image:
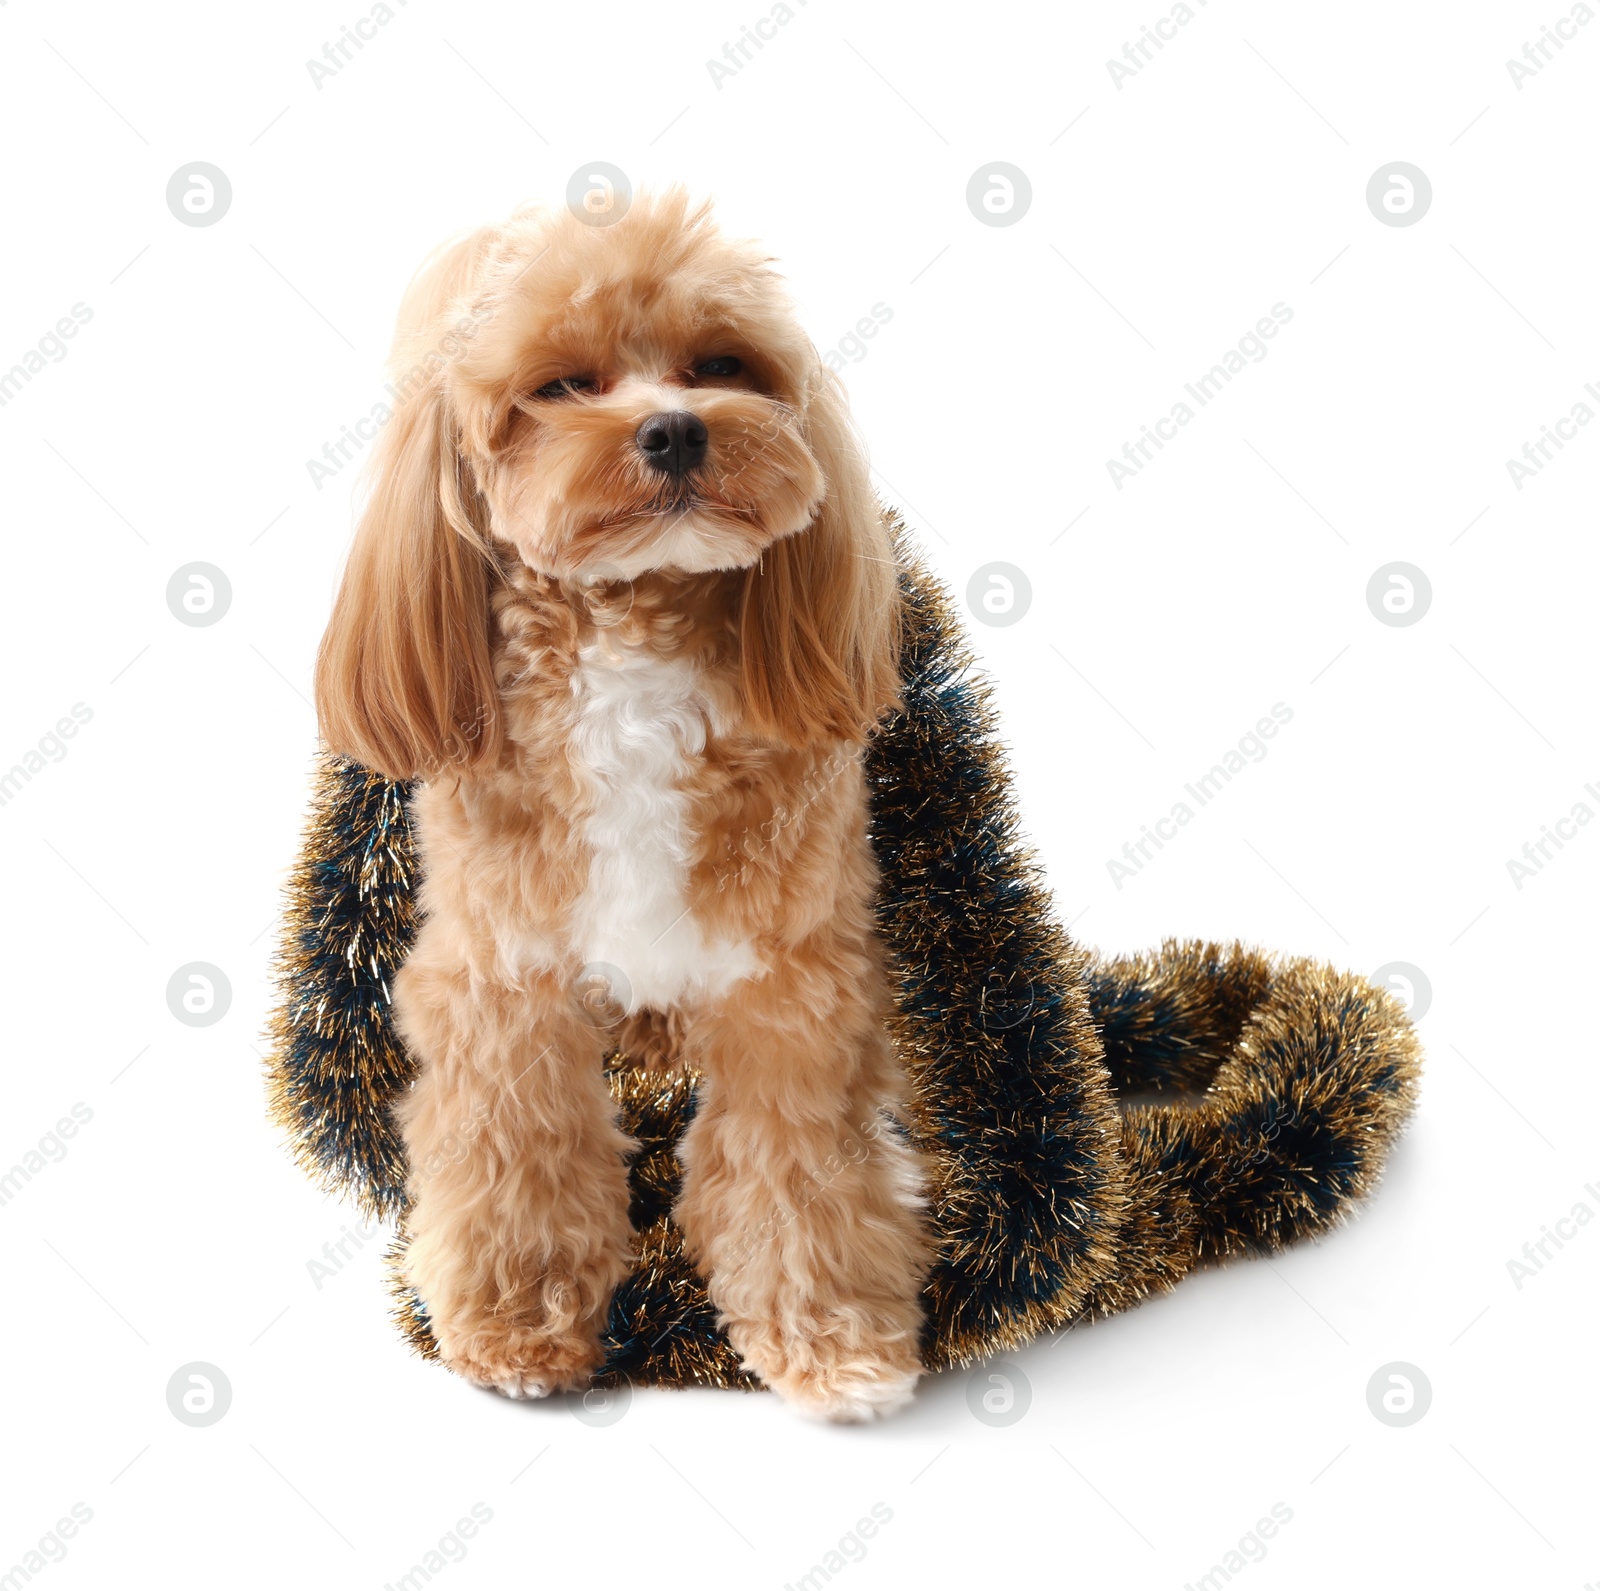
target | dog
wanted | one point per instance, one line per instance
(621, 599)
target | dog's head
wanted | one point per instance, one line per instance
(600, 403)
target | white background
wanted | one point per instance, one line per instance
(1168, 215)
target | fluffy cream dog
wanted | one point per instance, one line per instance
(621, 598)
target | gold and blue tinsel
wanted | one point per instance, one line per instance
(1055, 1196)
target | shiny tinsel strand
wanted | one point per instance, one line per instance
(1052, 1198)
(336, 1064)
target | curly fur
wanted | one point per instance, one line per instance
(638, 703)
(674, 843)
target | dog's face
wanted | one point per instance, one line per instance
(602, 403)
(634, 396)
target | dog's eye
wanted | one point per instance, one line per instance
(725, 365)
(566, 386)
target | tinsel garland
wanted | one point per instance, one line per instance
(1050, 1200)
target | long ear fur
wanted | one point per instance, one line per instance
(819, 619)
(405, 682)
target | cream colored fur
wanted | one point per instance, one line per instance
(637, 708)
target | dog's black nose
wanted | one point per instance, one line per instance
(673, 443)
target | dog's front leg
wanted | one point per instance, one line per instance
(801, 1201)
(519, 1221)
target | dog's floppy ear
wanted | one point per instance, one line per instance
(819, 620)
(405, 681)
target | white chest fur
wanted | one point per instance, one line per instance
(640, 722)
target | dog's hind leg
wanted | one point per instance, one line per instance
(519, 1200)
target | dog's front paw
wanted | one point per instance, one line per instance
(823, 1380)
(848, 1394)
(521, 1362)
